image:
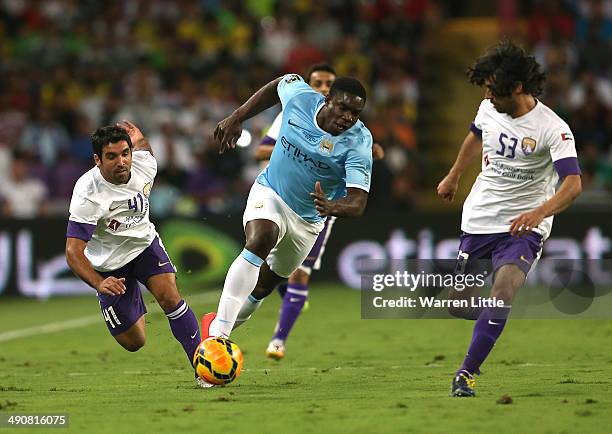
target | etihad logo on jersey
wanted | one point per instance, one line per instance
(528, 145)
(326, 146)
(298, 155)
(566, 136)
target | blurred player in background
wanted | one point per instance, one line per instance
(112, 245)
(295, 291)
(526, 149)
(19, 184)
(322, 147)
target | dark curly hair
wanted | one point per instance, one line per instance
(507, 65)
(109, 134)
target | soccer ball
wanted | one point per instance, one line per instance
(217, 360)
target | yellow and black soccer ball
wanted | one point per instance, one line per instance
(217, 360)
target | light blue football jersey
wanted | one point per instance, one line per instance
(305, 154)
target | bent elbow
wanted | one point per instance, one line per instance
(69, 256)
(362, 207)
(579, 187)
(360, 210)
(72, 256)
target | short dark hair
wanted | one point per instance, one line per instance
(350, 85)
(506, 65)
(108, 134)
(319, 67)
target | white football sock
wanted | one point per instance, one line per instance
(239, 283)
(251, 304)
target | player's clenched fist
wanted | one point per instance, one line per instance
(133, 131)
(228, 132)
(322, 205)
(112, 286)
(447, 188)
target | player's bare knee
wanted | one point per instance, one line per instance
(299, 277)
(132, 344)
(266, 240)
(504, 294)
(132, 347)
(168, 300)
(163, 287)
(508, 280)
(504, 291)
(261, 244)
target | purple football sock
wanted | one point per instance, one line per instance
(487, 330)
(185, 328)
(293, 302)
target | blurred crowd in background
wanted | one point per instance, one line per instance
(573, 42)
(176, 67)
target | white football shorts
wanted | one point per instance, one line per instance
(295, 236)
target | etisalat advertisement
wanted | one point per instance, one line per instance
(392, 264)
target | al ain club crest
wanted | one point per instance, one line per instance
(528, 145)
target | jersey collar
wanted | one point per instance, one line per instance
(314, 119)
(535, 109)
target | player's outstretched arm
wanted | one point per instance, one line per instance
(352, 205)
(139, 141)
(470, 149)
(570, 189)
(80, 265)
(229, 129)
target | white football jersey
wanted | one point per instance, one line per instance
(119, 212)
(518, 173)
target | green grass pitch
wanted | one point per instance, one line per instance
(341, 374)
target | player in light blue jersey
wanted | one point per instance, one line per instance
(295, 291)
(306, 152)
(323, 150)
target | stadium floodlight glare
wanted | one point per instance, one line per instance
(245, 139)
